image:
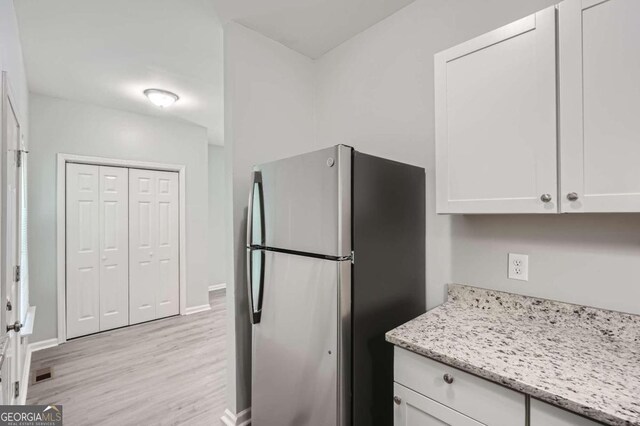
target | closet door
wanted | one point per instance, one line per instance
(114, 247)
(83, 251)
(167, 291)
(599, 105)
(153, 245)
(143, 267)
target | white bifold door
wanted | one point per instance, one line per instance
(97, 249)
(153, 241)
(122, 247)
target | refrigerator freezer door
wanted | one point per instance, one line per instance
(303, 203)
(295, 346)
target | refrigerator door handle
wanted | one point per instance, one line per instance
(255, 219)
(255, 283)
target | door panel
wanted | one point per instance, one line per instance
(306, 202)
(143, 266)
(154, 252)
(83, 249)
(114, 246)
(496, 120)
(167, 293)
(295, 345)
(600, 94)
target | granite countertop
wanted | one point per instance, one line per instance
(586, 360)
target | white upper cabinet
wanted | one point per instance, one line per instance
(599, 88)
(496, 134)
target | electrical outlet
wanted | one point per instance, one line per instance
(518, 267)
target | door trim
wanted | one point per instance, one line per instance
(61, 230)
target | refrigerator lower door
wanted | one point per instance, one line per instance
(296, 349)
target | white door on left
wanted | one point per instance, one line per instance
(83, 250)
(97, 248)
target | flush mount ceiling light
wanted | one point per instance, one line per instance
(161, 98)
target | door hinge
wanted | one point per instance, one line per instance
(17, 273)
(353, 257)
(19, 154)
(16, 389)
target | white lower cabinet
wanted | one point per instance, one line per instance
(543, 414)
(478, 399)
(413, 409)
(430, 393)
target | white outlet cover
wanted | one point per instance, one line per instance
(518, 267)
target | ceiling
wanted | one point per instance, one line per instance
(107, 52)
(311, 27)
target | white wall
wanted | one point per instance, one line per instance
(11, 59)
(268, 115)
(217, 224)
(375, 92)
(60, 126)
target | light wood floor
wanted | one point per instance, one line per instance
(165, 372)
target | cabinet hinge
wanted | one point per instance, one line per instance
(17, 273)
(16, 389)
(353, 257)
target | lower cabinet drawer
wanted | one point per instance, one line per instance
(413, 409)
(543, 414)
(476, 398)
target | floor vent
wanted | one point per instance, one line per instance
(42, 374)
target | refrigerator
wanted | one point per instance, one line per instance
(335, 258)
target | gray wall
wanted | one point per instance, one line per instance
(268, 115)
(60, 126)
(217, 222)
(375, 92)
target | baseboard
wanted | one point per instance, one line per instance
(43, 344)
(216, 287)
(197, 309)
(243, 418)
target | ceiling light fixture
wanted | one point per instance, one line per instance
(161, 98)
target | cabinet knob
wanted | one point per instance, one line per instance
(572, 196)
(448, 378)
(397, 400)
(545, 198)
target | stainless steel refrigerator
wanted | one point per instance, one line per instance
(335, 258)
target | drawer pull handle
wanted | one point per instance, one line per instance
(397, 400)
(448, 378)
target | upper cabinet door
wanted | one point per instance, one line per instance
(496, 120)
(600, 105)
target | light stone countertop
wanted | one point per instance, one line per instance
(584, 359)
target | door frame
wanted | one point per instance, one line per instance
(8, 104)
(61, 231)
